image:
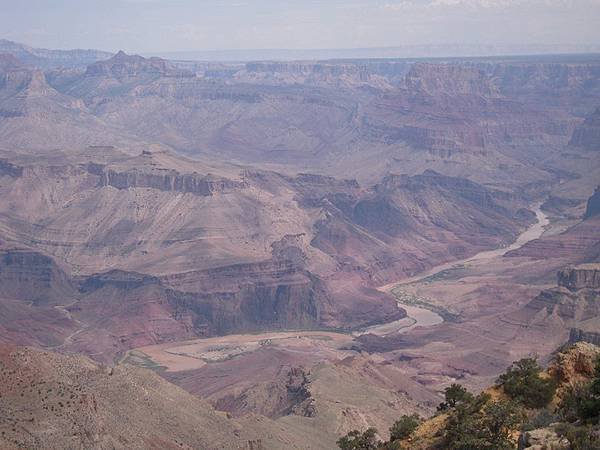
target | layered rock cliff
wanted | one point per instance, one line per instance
(449, 79)
(307, 68)
(570, 311)
(164, 180)
(593, 205)
(587, 135)
(373, 73)
(585, 276)
(33, 277)
(579, 335)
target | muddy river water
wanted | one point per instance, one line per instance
(423, 317)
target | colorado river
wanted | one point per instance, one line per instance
(424, 317)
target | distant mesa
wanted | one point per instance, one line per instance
(20, 82)
(450, 79)
(9, 62)
(49, 59)
(123, 66)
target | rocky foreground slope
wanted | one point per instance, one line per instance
(50, 401)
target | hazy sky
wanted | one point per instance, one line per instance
(172, 25)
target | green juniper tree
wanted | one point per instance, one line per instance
(481, 424)
(355, 440)
(455, 394)
(522, 382)
(404, 427)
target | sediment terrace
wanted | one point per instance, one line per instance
(194, 354)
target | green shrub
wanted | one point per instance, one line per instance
(355, 440)
(541, 419)
(581, 402)
(590, 411)
(455, 394)
(580, 437)
(522, 383)
(404, 427)
(481, 424)
(391, 445)
(573, 397)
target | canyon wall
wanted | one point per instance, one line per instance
(577, 335)
(165, 180)
(593, 205)
(587, 135)
(585, 276)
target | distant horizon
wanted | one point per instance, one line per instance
(415, 51)
(389, 52)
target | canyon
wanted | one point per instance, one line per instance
(296, 249)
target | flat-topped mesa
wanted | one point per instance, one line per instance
(593, 205)
(451, 79)
(165, 180)
(123, 65)
(354, 71)
(584, 276)
(546, 78)
(299, 68)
